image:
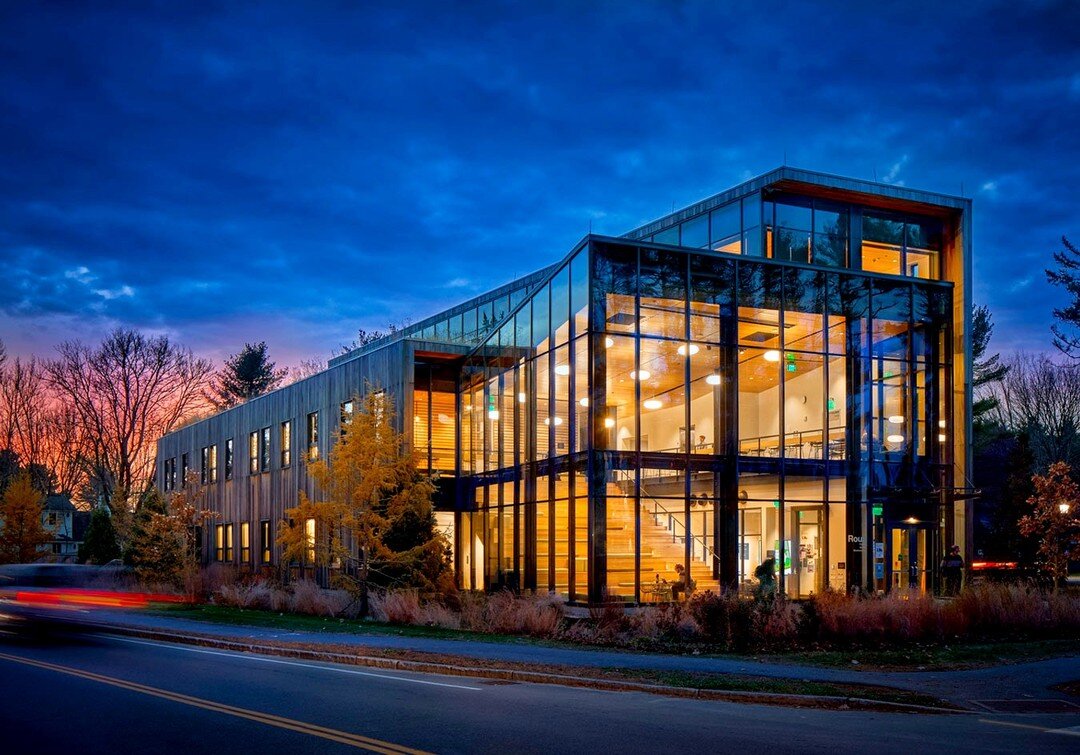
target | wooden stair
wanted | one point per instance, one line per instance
(660, 552)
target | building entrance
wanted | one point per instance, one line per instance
(910, 557)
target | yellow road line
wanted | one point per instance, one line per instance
(334, 735)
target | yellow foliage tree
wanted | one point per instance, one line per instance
(21, 531)
(375, 510)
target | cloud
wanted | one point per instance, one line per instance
(80, 274)
(894, 171)
(115, 293)
(364, 166)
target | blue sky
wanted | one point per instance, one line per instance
(225, 173)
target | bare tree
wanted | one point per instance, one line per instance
(126, 393)
(1042, 398)
(306, 369)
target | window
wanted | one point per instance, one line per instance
(900, 246)
(313, 436)
(228, 459)
(228, 542)
(253, 453)
(204, 465)
(264, 540)
(219, 542)
(309, 535)
(51, 518)
(185, 465)
(265, 455)
(286, 443)
(213, 463)
(346, 416)
(169, 482)
(245, 542)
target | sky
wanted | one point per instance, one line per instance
(228, 173)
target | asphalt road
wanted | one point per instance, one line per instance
(106, 695)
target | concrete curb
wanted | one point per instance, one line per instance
(516, 675)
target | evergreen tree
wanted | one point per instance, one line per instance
(22, 534)
(245, 376)
(1067, 276)
(987, 371)
(100, 545)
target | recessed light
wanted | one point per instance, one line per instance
(562, 369)
(609, 422)
(652, 403)
(895, 439)
(640, 375)
(691, 348)
(712, 379)
(521, 398)
(493, 414)
(584, 401)
(896, 419)
(609, 342)
(772, 355)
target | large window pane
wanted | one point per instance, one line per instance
(759, 402)
(695, 232)
(621, 536)
(663, 395)
(663, 293)
(712, 297)
(560, 307)
(618, 416)
(614, 289)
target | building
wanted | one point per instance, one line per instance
(60, 519)
(779, 371)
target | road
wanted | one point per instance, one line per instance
(100, 694)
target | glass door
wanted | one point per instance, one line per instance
(910, 562)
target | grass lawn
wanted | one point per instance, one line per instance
(905, 658)
(936, 657)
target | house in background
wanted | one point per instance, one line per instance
(61, 519)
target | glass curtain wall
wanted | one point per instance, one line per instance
(690, 420)
(522, 410)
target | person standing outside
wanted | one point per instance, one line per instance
(952, 571)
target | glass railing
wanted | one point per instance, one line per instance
(799, 444)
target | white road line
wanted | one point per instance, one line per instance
(1072, 731)
(263, 659)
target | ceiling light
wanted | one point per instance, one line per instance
(911, 520)
(562, 369)
(640, 375)
(712, 379)
(609, 422)
(557, 421)
(584, 401)
(941, 437)
(609, 342)
(772, 355)
(896, 419)
(652, 403)
(895, 439)
(521, 398)
(493, 414)
(691, 348)
(941, 424)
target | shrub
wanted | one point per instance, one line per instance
(398, 607)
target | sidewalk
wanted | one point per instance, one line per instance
(1023, 681)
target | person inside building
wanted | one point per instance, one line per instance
(952, 571)
(682, 584)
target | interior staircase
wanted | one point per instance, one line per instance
(663, 545)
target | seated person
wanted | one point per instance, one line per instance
(681, 583)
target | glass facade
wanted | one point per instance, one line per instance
(775, 378)
(650, 408)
